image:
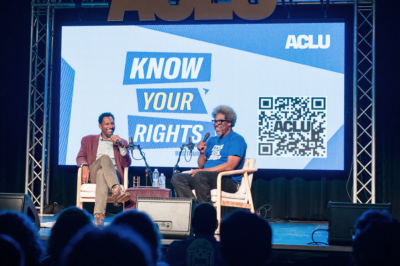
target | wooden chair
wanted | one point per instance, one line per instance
(87, 192)
(242, 198)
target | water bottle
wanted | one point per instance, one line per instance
(155, 178)
(162, 180)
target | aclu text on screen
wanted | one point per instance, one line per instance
(307, 42)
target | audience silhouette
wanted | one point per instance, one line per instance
(203, 248)
(245, 239)
(68, 223)
(114, 245)
(11, 253)
(143, 225)
(377, 239)
(133, 239)
(21, 228)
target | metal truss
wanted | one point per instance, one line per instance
(40, 87)
(364, 102)
(37, 170)
(39, 106)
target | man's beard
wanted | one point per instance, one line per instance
(219, 133)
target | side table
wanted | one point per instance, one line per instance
(145, 192)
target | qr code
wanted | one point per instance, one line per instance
(292, 127)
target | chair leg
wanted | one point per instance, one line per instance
(79, 202)
(248, 191)
(218, 216)
(219, 196)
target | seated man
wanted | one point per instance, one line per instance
(202, 246)
(224, 152)
(101, 158)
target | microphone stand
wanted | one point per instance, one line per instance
(175, 170)
(148, 170)
(190, 145)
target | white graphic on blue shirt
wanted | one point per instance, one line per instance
(216, 152)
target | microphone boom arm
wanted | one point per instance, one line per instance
(148, 170)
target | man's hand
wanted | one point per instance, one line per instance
(195, 171)
(202, 147)
(85, 174)
(114, 139)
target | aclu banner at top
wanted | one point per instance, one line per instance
(152, 67)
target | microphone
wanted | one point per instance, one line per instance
(206, 137)
(131, 147)
(190, 145)
(118, 141)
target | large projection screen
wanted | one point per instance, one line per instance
(162, 82)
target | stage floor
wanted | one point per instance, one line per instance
(287, 235)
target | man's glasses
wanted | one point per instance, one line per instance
(218, 122)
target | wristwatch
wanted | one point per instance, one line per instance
(83, 164)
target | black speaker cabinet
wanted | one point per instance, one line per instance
(173, 216)
(343, 217)
(19, 202)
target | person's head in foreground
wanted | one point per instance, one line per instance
(68, 223)
(245, 239)
(143, 225)
(20, 227)
(377, 238)
(204, 219)
(11, 253)
(114, 245)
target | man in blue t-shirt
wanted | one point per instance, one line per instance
(224, 152)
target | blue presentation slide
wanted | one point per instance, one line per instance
(162, 82)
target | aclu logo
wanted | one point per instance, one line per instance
(293, 126)
(308, 42)
(160, 133)
(152, 67)
(170, 101)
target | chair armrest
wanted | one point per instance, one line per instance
(79, 176)
(125, 178)
(235, 172)
(78, 187)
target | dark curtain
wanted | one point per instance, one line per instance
(302, 195)
(14, 81)
(387, 104)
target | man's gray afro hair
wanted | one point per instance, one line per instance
(229, 113)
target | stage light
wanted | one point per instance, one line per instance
(173, 2)
(325, 8)
(288, 9)
(220, 1)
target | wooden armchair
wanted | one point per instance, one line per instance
(87, 192)
(242, 198)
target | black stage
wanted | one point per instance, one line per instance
(291, 243)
